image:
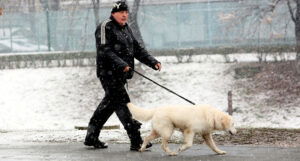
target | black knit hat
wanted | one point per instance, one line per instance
(119, 6)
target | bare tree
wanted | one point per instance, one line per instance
(32, 10)
(258, 13)
(52, 5)
(133, 22)
(295, 15)
(75, 5)
(96, 6)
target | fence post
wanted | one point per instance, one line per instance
(11, 35)
(230, 110)
(48, 30)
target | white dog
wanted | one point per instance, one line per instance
(202, 119)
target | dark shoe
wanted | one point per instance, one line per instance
(91, 138)
(97, 144)
(138, 147)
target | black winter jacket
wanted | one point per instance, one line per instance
(117, 48)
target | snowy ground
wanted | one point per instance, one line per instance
(45, 104)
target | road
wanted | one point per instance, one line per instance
(120, 152)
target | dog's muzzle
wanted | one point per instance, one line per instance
(232, 131)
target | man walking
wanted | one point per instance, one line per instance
(116, 50)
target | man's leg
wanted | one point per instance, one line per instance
(132, 126)
(100, 116)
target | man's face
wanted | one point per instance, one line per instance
(121, 17)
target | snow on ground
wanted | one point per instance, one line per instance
(45, 104)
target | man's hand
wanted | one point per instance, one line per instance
(127, 69)
(158, 66)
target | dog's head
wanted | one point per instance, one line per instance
(226, 123)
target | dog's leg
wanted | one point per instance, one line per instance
(210, 142)
(166, 134)
(147, 139)
(188, 140)
(164, 146)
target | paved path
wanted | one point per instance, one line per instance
(120, 152)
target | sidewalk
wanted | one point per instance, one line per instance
(120, 152)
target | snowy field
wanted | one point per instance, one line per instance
(45, 104)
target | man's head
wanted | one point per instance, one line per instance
(120, 12)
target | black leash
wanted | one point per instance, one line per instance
(163, 87)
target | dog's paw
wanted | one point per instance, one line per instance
(142, 150)
(221, 152)
(172, 153)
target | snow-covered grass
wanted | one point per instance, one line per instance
(60, 98)
(45, 104)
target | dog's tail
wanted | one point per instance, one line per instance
(139, 113)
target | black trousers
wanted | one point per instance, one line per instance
(115, 100)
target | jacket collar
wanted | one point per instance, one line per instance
(116, 23)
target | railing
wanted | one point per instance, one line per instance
(77, 58)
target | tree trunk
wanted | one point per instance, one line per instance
(96, 6)
(296, 19)
(53, 5)
(133, 22)
(44, 4)
(32, 11)
(297, 30)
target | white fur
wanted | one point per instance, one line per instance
(202, 119)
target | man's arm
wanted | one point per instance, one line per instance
(143, 56)
(104, 40)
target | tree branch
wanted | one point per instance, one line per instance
(274, 5)
(291, 11)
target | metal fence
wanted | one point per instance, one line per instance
(199, 24)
